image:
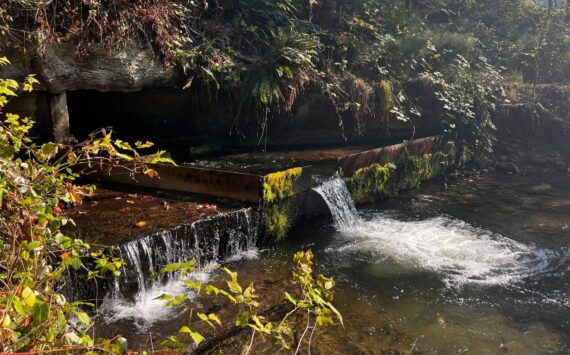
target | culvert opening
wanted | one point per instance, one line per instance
(167, 117)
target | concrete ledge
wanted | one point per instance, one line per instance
(238, 186)
(351, 163)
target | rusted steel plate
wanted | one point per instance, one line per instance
(351, 163)
(190, 179)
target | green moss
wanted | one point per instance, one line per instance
(278, 188)
(378, 182)
(386, 95)
(277, 221)
(280, 185)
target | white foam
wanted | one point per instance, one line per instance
(461, 253)
(146, 308)
(248, 254)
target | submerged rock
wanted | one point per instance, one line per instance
(508, 167)
(542, 187)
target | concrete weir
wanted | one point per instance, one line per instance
(350, 164)
(248, 187)
(208, 214)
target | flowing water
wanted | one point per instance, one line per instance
(480, 267)
(134, 300)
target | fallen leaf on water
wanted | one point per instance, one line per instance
(141, 224)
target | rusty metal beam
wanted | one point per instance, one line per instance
(238, 186)
(351, 163)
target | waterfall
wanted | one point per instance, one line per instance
(339, 200)
(230, 235)
(208, 240)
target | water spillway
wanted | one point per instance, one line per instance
(339, 201)
(421, 272)
(135, 296)
(208, 240)
(150, 231)
(459, 252)
(481, 266)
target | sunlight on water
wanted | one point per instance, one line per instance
(460, 253)
(145, 308)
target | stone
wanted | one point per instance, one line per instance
(536, 160)
(542, 188)
(131, 68)
(561, 165)
(508, 167)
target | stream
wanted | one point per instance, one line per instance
(481, 266)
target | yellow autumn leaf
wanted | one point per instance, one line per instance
(29, 297)
(6, 321)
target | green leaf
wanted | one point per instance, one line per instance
(172, 342)
(243, 320)
(120, 346)
(290, 298)
(34, 245)
(141, 145)
(83, 318)
(214, 318)
(197, 337)
(48, 149)
(40, 314)
(72, 339)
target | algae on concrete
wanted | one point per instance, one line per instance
(280, 185)
(377, 181)
(278, 189)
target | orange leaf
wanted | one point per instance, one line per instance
(141, 224)
(65, 255)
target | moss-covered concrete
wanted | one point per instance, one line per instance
(278, 220)
(377, 182)
(280, 185)
(278, 190)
